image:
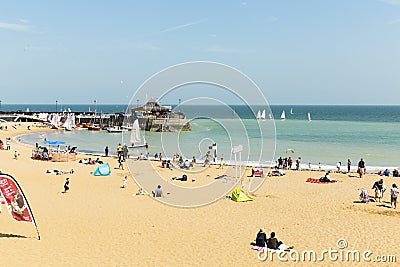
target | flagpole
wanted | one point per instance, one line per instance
(27, 203)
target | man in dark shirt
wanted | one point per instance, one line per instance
(261, 238)
(361, 167)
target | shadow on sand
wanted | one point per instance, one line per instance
(2, 235)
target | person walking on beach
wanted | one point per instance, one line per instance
(125, 151)
(289, 162)
(361, 167)
(338, 165)
(119, 150)
(16, 154)
(348, 165)
(121, 161)
(66, 185)
(106, 151)
(298, 164)
(379, 189)
(394, 193)
(8, 144)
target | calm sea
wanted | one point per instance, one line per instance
(335, 133)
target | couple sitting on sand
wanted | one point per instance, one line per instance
(326, 178)
(271, 243)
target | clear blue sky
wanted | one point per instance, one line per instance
(298, 52)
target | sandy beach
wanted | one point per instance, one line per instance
(97, 223)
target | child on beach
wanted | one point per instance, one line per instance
(125, 182)
(66, 185)
(394, 193)
(16, 154)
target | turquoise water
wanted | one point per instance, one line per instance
(335, 133)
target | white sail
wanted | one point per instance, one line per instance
(258, 115)
(291, 111)
(73, 124)
(283, 115)
(54, 120)
(309, 116)
(270, 116)
(135, 135)
(68, 123)
(263, 115)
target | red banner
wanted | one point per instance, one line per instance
(15, 199)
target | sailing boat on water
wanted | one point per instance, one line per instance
(263, 114)
(258, 115)
(291, 111)
(309, 116)
(136, 139)
(69, 122)
(283, 115)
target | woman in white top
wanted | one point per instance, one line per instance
(394, 193)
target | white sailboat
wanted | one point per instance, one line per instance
(291, 111)
(258, 115)
(270, 116)
(136, 140)
(283, 115)
(309, 116)
(54, 120)
(263, 115)
(69, 122)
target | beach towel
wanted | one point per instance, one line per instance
(282, 247)
(103, 170)
(317, 181)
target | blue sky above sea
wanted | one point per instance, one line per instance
(297, 52)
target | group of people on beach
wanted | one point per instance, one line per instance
(286, 163)
(272, 242)
(379, 189)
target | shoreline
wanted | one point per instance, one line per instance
(304, 167)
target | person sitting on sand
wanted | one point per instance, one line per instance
(394, 193)
(274, 243)
(379, 189)
(326, 178)
(364, 196)
(158, 192)
(186, 164)
(261, 239)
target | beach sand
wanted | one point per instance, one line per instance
(99, 224)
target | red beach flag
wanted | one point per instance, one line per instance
(15, 199)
